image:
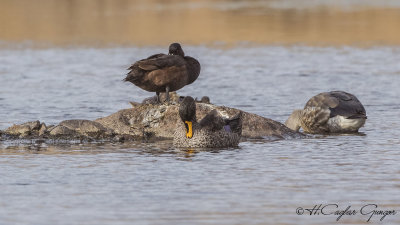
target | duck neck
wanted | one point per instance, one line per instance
(294, 120)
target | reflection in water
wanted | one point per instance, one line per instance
(261, 182)
(157, 149)
(155, 22)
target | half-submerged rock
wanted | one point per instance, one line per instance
(24, 130)
(145, 122)
(66, 130)
(160, 121)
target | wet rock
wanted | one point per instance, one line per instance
(123, 138)
(159, 121)
(173, 96)
(50, 128)
(42, 129)
(23, 130)
(34, 125)
(87, 128)
(134, 104)
(62, 131)
(119, 138)
(17, 130)
(146, 122)
(254, 126)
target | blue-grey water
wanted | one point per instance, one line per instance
(261, 182)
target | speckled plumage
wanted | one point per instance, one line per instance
(212, 131)
(205, 138)
(329, 112)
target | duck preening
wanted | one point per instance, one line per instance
(212, 131)
(329, 112)
(164, 73)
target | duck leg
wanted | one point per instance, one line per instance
(158, 97)
(167, 93)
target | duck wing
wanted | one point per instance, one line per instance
(340, 103)
(349, 106)
(234, 124)
(136, 64)
(156, 56)
(161, 62)
(322, 100)
(156, 65)
(136, 73)
(212, 121)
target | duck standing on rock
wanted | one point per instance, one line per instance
(164, 73)
(212, 131)
(329, 112)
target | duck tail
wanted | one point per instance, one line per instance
(128, 78)
(235, 123)
(134, 74)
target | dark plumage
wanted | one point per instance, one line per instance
(164, 73)
(212, 131)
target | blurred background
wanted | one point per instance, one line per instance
(195, 22)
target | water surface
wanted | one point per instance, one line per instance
(261, 182)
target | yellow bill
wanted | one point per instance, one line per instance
(189, 129)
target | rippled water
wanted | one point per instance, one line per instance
(260, 182)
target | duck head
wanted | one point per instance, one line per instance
(187, 112)
(176, 49)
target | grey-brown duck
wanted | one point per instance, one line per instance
(329, 112)
(164, 73)
(213, 131)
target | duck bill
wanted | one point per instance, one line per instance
(189, 129)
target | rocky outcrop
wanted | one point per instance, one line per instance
(143, 121)
(24, 130)
(160, 121)
(66, 130)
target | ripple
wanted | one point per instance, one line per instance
(262, 180)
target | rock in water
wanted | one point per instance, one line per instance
(43, 129)
(161, 121)
(62, 131)
(87, 128)
(145, 121)
(24, 130)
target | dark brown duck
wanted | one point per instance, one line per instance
(164, 73)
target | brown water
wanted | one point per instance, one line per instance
(261, 182)
(215, 22)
